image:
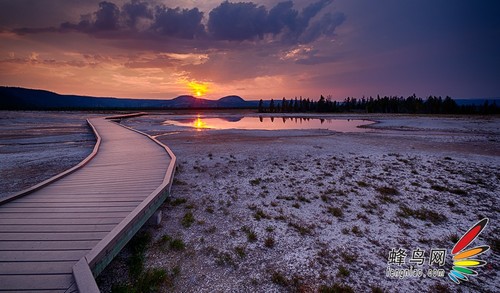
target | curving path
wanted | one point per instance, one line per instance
(60, 234)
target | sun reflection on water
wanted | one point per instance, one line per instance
(199, 124)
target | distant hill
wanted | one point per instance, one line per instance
(15, 98)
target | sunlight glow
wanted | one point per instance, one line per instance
(199, 124)
(198, 88)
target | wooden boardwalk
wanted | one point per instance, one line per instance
(57, 236)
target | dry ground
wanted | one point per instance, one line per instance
(264, 211)
(35, 146)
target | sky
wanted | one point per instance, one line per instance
(261, 49)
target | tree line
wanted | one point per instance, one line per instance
(386, 104)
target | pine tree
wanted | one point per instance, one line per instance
(261, 106)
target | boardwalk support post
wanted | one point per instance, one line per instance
(83, 277)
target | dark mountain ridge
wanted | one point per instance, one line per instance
(16, 98)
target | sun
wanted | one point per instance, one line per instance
(198, 88)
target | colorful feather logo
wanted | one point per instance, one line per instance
(462, 259)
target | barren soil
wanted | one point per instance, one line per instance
(276, 211)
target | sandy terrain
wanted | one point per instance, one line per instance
(276, 211)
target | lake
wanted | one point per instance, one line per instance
(270, 123)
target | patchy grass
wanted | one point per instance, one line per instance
(224, 258)
(260, 214)
(439, 188)
(279, 279)
(255, 181)
(178, 201)
(376, 289)
(356, 231)
(458, 191)
(454, 238)
(302, 229)
(386, 190)
(343, 272)
(336, 288)
(164, 240)
(172, 243)
(269, 242)
(177, 244)
(148, 282)
(178, 182)
(212, 229)
(348, 257)
(384, 198)
(240, 251)
(187, 219)
(138, 246)
(422, 213)
(363, 184)
(440, 288)
(336, 211)
(251, 235)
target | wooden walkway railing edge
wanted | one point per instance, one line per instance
(91, 265)
(60, 175)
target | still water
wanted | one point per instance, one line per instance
(271, 123)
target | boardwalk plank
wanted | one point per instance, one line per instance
(62, 215)
(52, 236)
(80, 200)
(54, 228)
(72, 204)
(61, 255)
(35, 222)
(47, 245)
(36, 282)
(9, 209)
(43, 234)
(32, 268)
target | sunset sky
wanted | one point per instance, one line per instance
(260, 49)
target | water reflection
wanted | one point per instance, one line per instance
(268, 123)
(199, 123)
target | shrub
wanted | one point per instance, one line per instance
(421, 214)
(363, 184)
(177, 244)
(386, 190)
(279, 279)
(269, 242)
(343, 272)
(240, 251)
(251, 236)
(255, 181)
(336, 211)
(188, 219)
